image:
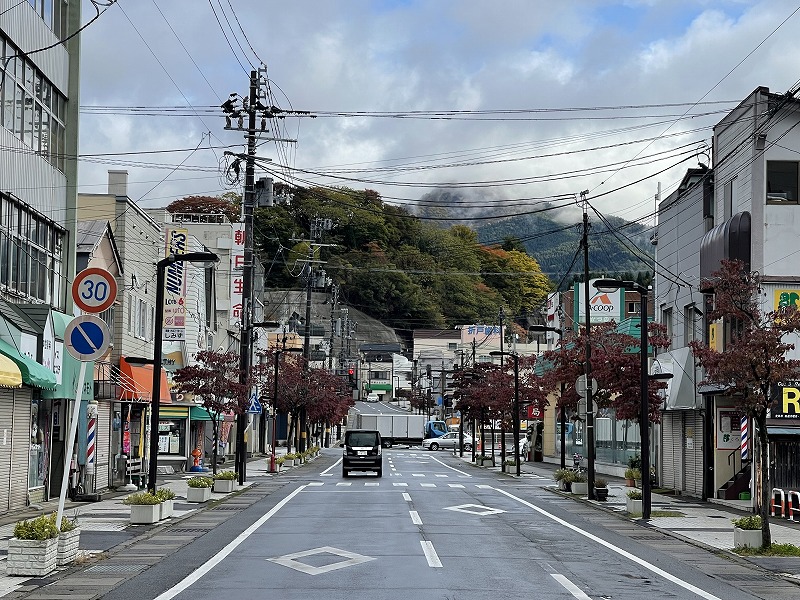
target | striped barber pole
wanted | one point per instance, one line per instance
(90, 441)
(745, 442)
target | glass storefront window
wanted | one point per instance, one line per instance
(171, 436)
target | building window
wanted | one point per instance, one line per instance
(452, 346)
(691, 323)
(666, 320)
(782, 182)
(634, 308)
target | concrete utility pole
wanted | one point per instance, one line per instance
(588, 366)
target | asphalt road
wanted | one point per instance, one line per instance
(433, 527)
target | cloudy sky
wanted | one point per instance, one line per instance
(513, 101)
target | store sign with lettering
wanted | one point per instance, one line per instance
(786, 404)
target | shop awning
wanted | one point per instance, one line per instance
(10, 376)
(783, 430)
(168, 412)
(32, 372)
(136, 383)
(680, 392)
(198, 413)
(380, 386)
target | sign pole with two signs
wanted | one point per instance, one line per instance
(86, 338)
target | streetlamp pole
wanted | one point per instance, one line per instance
(158, 345)
(611, 285)
(515, 404)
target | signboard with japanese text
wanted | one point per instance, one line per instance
(174, 324)
(480, 333)
(728, 429)
(237, 273)
(785, 298)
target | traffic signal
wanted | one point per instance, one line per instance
(351, 376)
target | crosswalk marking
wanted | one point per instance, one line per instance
(427, 485)
(455, 485)
(400, 484)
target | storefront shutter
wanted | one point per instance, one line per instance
(6, 420)
(103, 445)
(693, 459)
(20, 448)
(672, 429)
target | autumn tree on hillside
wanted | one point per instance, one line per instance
(754, 359)
(214, 379)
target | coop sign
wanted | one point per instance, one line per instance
(787, 403)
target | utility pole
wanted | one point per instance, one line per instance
(333, 325)
(588, 366)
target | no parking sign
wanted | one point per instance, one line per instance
(87, 337)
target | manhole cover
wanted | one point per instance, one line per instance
(115, 568)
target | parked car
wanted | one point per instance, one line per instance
(371, 397)
(448, 440)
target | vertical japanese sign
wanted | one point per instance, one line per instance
(237, 277)
(174, 325)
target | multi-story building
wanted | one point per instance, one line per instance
(39, 79)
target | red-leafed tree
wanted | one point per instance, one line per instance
(214, 379)
(329, 397)
(754, 359)
(228, 204)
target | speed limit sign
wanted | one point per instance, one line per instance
(94, 290)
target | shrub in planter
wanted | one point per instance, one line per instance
(289, 459)
(167, 497)
(68, 541)
(225, 482)
(633, 502)
(600, 488)
(565, 478)
(579, 483)
(33, 549)
(747, 532)
(631, 475)
(145, 508)
(199, 489)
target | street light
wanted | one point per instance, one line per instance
(562, 418)
(208, 259)
(612, 285)
(278, 352)
(515, 406)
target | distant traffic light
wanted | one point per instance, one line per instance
(351, 376)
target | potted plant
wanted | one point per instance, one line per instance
(631, 475)
(167, 498)
(33, 549)
(747, 532)
(580, 485)
(289, 459)
(633, 502)
(564, 477)
(600, 489)
(199, 489)
(485, 461)
(145, 508)
(225, 482)
(279, 462)
(69, 538)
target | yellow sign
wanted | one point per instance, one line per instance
(791, 402)
(714, 339)
(784, 298)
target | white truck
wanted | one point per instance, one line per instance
(394, 428)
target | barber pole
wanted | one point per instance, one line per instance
(91, 431)
(745, 440)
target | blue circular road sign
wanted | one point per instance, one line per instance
(87, 337)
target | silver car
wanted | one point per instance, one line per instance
(448, 440)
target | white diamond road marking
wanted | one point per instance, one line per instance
(475, 509)
(350, 560)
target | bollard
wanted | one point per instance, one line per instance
(793, 508)
(782, 506)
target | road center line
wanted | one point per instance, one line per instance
(415, 517)
(651, 567)
(451, 468)
(430, 554)
(222, 554)
(569, 586)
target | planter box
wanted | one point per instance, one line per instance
(34, 558)
(288, 462)
(601, 493)
(565, 486)
(224, 486)
(581, 488)
(167, 509)
(198, 494)
(746, 538)
(633, 506)
(145, 514)
(67, 550)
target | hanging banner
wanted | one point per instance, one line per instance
(237, 274)
(174, 325)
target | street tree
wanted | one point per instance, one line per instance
(329, 398)
(214, 379)
(754, 360)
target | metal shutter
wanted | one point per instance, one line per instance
(102, 445)
(693, 458)
(6, 420)
(20, 449)
(671, 432)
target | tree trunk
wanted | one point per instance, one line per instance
(766, 488)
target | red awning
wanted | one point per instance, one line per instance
(136, 383)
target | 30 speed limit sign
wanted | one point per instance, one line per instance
(94, 290)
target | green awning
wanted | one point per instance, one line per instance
(198, 413)
(33, 373)
(380, 386)
(70, 366)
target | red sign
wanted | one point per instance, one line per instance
(94, 290)
(534, 412)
